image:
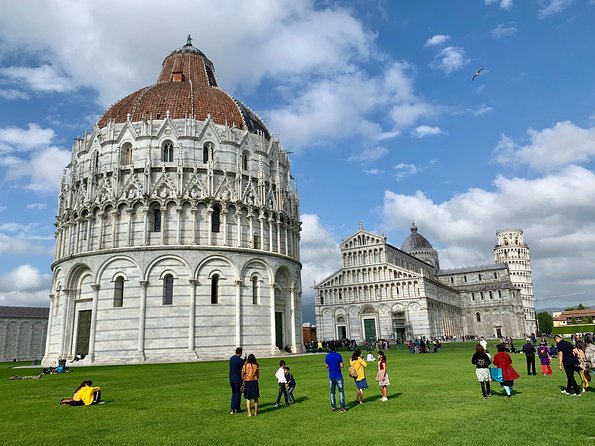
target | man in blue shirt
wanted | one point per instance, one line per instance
(334, 363)
(567, 360)
(235, 380)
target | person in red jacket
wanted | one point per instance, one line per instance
(503, 361)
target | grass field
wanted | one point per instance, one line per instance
(435, 399)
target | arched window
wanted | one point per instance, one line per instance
(215, 289)
(478, 317)
(255, 290)
(206, 149)
(167, 152)
(157, 220)
(216, 219)
(256, 244)
(244, 161)
(127, 153)
(119, 292)
(168, 289)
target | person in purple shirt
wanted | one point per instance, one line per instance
(334, 363)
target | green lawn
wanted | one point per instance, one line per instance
(435, 399)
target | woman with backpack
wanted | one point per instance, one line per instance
(358, 372)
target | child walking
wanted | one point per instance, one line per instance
(382, 376)
(290, 380)
(482, 363)
(280, 375)
(544, 357)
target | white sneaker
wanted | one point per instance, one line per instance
(384, 398)
(565, 392)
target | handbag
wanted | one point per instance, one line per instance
(496, 374)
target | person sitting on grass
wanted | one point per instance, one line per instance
(84, 395)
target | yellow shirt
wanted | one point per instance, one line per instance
(359, 364)
(86, 394)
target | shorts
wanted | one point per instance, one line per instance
(362, 384)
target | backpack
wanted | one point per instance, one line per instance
(352, 372)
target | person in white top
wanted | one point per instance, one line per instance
(280, 375)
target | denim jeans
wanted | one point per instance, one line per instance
(337, 383)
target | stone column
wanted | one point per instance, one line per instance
(179, 226)
(238, 313)
(273, 345)
(163, 210)
(193, 211)
(18, 342)
(250, 230)
(278, 230)
(238, 216)
(224, 212)
(141, 319)
(115, 214)
(192, 317)
(65, 310)
(271, 221)
(77, 236)
(130, 213)
(101, 216)
(209, 225)
(93, 323)
(145, 212)
(261, 222)
(292, 319)
(89, 221)
(49, 330)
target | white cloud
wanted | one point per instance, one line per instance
(369, 154)
(25, 286)
(43, 78)
(37, 206)
(73, 38)
(449, 59)
(404, 169)
(504, 4)
(425, 130)
(550, 148)
(552, 7)
(25, 139)
(46, 169)
(501, 31)
(13, 94)
(406, 114)
(374, 171)
(319, 254)
(437, 39)
(10, 244)
(482, 110)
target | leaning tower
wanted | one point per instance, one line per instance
(177, 232)
(512, 251)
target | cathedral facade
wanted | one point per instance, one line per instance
(385, 292)
(177, 232)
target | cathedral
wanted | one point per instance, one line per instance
(400, 294)
(177, 231)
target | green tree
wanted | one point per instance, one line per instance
(588, 320)
(580, 307)
(573, 321)
(545, 321)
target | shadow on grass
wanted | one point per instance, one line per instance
(270, 407)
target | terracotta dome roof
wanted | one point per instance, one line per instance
(415, 241)
(186, 88)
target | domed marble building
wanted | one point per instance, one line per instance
(385, 292)
(177, 233)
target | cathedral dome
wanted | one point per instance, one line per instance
(186, 88)
(415, 241)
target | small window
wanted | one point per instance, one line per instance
(499, 294)
(472, 296)
(481, 294)
(127, 153)
(167, 152)
(495, 275)
(244, 161)
(206, 152)
(478, 317)
(168, 289)
(491, 295)
(479, 276)
(256, 243)
(216, 219)
(157, 220)
(255, 290)
(119, 292)
(215, 289)
(452, 280)
(465, 279)
(321, 299)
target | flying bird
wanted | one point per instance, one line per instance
(477, 73)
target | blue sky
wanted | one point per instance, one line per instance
(374, 99)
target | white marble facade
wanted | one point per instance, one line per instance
(385, 292)
(176, 238)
